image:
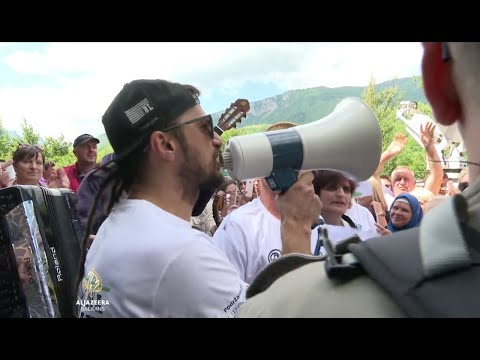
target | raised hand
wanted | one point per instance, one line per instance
(256, 188)
(59, 179)
(231, 202)
(451, 189)
(398, 144)
(382, 231)
(4, 179)
(427, 133)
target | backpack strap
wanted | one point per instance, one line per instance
(349, 220)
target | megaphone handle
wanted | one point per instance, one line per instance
(282, 179)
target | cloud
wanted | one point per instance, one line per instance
(84, 77)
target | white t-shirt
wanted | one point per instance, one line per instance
(362, 217)
(146, 262)
(250, 237)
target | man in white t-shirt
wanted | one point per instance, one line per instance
(250, 236)
(146, 259)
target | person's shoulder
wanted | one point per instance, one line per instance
(69, 169)
(242, 222)
(90, 182)
(148, 218)
(310, 293)
(250, 210)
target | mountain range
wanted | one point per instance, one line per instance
(307, 105)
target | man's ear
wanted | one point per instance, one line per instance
(439, 86)
(164, 145)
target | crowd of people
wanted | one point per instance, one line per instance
(167, 235)
(32, 168)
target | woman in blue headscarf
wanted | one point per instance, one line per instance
(405, 213)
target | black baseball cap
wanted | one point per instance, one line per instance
(144, 106)
(83, 139)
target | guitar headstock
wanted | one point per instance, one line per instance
(232, 116)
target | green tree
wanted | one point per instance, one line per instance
(384, 104)
(59, 151)
(418, 81)
(7, 144)
(425, 109)
(29, 135)
(104, 150)
(243, 131)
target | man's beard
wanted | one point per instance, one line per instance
(206, 190)
(207, 181)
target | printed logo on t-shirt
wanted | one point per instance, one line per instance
(92, 299)
(274, 254)
(232, 308)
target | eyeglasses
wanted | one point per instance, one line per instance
(207, 119)
(24, 146)
(463, 185)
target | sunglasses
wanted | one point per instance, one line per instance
(206, 119)
(463, 185)
(24, 146)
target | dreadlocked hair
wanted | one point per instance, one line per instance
(119, 180)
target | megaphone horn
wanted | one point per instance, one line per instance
(348, 140)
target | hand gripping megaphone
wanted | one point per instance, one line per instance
(348, 140)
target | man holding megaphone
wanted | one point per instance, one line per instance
(167, 164)
(251, 236)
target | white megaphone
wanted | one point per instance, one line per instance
(348, 140)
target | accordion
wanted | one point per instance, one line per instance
(40, 240)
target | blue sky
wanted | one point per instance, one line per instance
(64, 88)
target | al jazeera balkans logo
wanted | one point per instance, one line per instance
(92, 286)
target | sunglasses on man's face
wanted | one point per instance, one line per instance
(462, 186)
(207, 120)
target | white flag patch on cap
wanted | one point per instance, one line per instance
(137, 112)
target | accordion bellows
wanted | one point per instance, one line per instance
(39, 252)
